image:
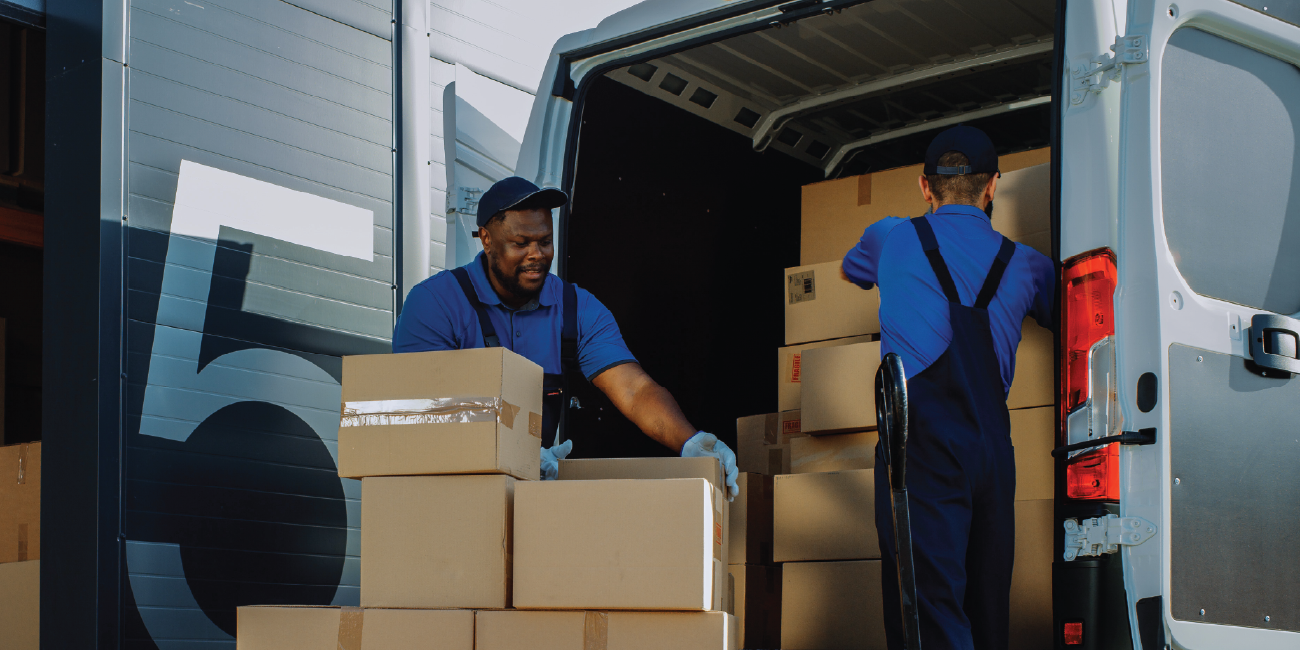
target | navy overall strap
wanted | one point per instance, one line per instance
(490, 339)
(994, 277)
(569, 331)
(930, 245)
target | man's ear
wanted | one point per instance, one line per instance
(926, 194)
(484, 236)
(991, 189)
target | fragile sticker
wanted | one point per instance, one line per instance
(794, 369)
(792, 427)
(801, 287)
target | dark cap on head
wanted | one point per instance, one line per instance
(515, 193)
(972, 142)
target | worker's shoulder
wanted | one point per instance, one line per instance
(1036, 262)
(439, 284)
(887, 225)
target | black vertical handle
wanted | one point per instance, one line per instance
(891, 421)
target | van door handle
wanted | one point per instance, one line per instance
(1274, 342)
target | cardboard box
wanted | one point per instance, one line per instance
(1034, 383)
(825, 516)
(820, 305)
(756, 604)
(619, 544)
(749, 531)
(20, 605)
(789, 364)
(20, 502)
(835, 212)
(832, 606)
(1031, 577)
(1022, 207)
(763, 442)
(288, 627)
(834, 453)
(436, 541)
(1033, 434)
(588, 469)
(422, 427)
(839, 389)
(592, 630)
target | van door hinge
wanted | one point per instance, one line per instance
(464, 201)
(1101, 535)
(1096, 75)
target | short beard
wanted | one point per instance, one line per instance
(511, 282)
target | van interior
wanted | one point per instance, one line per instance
(689, 168)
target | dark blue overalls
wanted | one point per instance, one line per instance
(961, 480)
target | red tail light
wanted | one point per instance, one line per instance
(1094, 475)
(1073, 633)
(1087, 318)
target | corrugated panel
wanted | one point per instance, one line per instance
(233, 344)
(441, 74)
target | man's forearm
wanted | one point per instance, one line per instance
(657, 414)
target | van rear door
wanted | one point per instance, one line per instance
(1208, 282)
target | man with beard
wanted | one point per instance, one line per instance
(507, 297)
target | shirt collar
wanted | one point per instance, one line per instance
(962, 210)
(487, 295)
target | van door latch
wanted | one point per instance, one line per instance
(1101, 535)
(1274, 343)
(1096, 75)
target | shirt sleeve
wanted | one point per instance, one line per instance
(425, 323)
(600, 343)
(1045, 284)
(862, 262)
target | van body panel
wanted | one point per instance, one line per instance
(1159, 316)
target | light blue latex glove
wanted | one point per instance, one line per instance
(551, 457)
(707, 444)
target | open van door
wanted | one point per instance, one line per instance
(1205, 309)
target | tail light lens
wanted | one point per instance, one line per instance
(1089, 404)
(1072, 633)
(1094, 475)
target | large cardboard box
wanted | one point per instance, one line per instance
(436, 541)
(451, 412)
(589, 469)
(20, 605)
(839, 388)
(789, 363)
(825, 516)
(1031, 577)
(832, 606)
(763, 442)
(1034, 383)
(835, 212)
(619, 544)
(834, 453)
(756, 604)
(749, 531)
(599, 630)
(286, 627)
(820, 305)
(20, 502)
(1022, 207)
(1033, 434)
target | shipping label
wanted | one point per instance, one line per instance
(801, 286)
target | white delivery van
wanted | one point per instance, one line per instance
(684, 128)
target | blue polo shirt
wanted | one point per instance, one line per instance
(913, 310)
(437, 316)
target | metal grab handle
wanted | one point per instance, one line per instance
(891, 419)
(1274, 341)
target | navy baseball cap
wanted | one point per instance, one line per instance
(514, 192)
(968, 140)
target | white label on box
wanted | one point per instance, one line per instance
(802, 286)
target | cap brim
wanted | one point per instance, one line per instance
(545, 198)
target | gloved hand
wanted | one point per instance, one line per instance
(707, 444)
(551, 457)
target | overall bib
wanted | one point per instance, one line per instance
(961, 480)
(555, 387)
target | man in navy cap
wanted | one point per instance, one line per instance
(507, 297)
(953, 293)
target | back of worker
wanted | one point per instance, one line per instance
(953, 293)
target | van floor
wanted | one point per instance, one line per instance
(684, 232)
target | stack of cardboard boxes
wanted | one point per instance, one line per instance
(20, 546)
(462, 547)
(820, 444)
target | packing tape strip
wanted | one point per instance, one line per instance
(22, 464)
(595, 631)
(351, 620)
(437, 410)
